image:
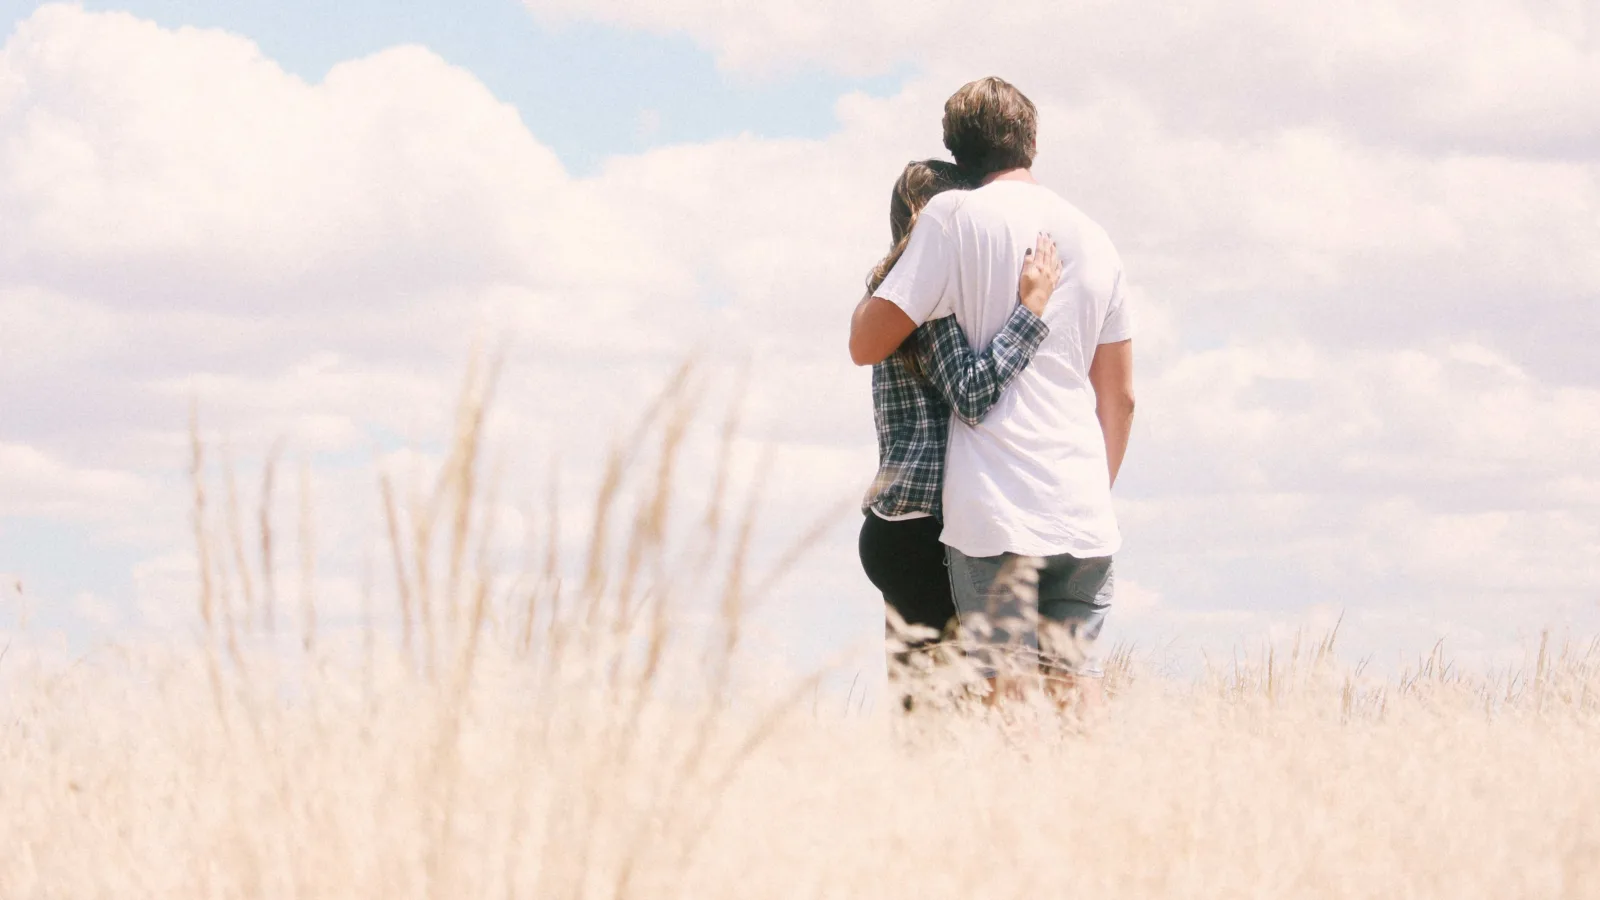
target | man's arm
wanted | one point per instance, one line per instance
(877, 329)
(972, 382)
(1111, 375)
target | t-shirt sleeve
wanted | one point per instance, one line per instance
(922, 276)
(1118, 325)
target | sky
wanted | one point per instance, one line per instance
(1359, 238)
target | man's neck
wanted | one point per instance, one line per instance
(1025, 175)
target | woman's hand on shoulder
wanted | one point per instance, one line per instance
(1041, 272)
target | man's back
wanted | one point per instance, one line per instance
(1031, 478)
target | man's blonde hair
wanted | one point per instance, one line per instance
(990, 126)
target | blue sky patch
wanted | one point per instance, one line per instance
(587, 91)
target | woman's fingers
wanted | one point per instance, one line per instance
(1048, 260)
(1041, 264)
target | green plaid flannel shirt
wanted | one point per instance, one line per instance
(912, 413)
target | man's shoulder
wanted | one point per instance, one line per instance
(943, 206)
(1070, 214)
(1002, 204)
(1074, 225)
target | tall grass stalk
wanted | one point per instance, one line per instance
(578, 729)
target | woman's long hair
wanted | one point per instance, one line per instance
(919, 183)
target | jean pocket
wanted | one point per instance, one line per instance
(1093, 582)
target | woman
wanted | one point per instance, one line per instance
(914, 392)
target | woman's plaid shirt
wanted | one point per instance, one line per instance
(912, 412)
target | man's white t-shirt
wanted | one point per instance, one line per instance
(1031, 478)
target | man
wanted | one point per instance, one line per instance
(1029, 526)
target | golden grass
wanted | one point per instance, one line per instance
(547, 736)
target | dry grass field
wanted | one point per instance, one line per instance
(547, 737)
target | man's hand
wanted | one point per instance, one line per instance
(1111, 375)
(877, 329)
(1041, 272)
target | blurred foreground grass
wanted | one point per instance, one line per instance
(546, 735)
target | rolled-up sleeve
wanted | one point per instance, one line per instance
(922, 277)
(1118, 325)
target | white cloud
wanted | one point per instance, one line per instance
(1501, 74)
(1366, 381)
(33, 483)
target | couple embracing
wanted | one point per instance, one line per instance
(1002, 386)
